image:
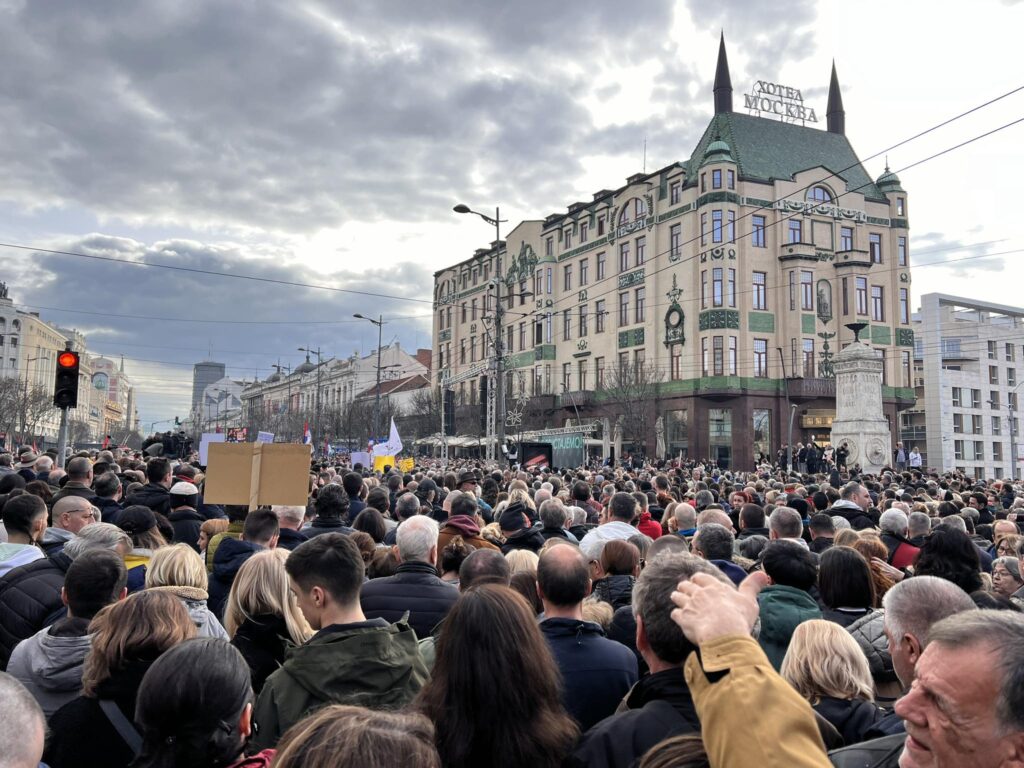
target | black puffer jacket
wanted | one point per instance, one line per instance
(262, 640)
(415, 588)
(186, 522)
(151, 495)
(29, 596)
(617, 590)
(869, 632)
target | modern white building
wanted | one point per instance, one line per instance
(968, 370)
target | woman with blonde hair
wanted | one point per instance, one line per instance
(522, 560)
(127, 637)
(262, 616)
(179, 570)
(345, 735)
(827, 667)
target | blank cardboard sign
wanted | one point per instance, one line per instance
(257, 474)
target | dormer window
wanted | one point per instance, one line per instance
(819, 195)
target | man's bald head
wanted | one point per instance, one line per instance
(716, 516)
(73, 513)
(484, 566)
(22, 725)
(563, 576)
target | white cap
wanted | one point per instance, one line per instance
(183, 488)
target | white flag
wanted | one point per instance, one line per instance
(392, 447)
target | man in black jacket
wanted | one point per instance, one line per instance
(156, 493)
(853, 504)
(660, 705)
(415, 588)
(290, 519)
(30, 595)
(332, 505)
(184, 515)
(259, 532)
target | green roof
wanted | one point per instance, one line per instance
(768, 149)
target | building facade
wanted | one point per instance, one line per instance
(113, 396)
(968, 369)
(203, 375)
(715, 291)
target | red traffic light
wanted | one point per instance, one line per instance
(67, 359)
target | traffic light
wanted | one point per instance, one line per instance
(65, 388)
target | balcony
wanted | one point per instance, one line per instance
(801, 389)
(577, 399)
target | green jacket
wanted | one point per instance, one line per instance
(370, 664)
(234, 531)
(782, 609)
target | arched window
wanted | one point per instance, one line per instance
(16, 325)
(819, 194)
(633, 209)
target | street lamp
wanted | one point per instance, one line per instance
(379, 322)
(316, 400)
(495, 425)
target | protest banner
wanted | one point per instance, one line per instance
(257, 474)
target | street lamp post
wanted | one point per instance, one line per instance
(379, 322)
(496, 393)
(316, 400)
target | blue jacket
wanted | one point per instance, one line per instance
(596, 672)
(227, 561)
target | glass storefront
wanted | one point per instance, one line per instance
(720, 436)
(762, 433)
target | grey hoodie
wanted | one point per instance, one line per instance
(50, 665)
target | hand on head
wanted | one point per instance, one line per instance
(707, 608)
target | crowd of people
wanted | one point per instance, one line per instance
(475, 615)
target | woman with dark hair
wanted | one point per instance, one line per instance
(10, 481)
(194, 709)
(525, 584)
(40, 489)
(128, 636)
(452, 556)
(846, 586)
(505, 725)
(371, 521)
(620, 561)
(950, 555)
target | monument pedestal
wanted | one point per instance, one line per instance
(860, 422)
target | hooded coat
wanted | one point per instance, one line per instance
(596, 672)
(464, 526)
(369, 664)
(49, 664)
(526, 538)
(617, 590)
(782, 609)
(54, 539)
(186, 522)
(15, 555)
(152, 495)
(231, 555)
(648, 526)
(29, 597)
(194, 601)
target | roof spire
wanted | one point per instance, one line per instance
(835, 115)
(723, 83)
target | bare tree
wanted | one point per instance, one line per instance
(631, 391)
(78, 431)
(424, 414)
(36, 405)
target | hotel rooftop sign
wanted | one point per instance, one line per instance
(771, 99)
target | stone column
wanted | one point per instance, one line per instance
(860, 421)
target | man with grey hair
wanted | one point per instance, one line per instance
(554, 520)
(786, 523)
(79, 482)
(685, 517)
(415, 588)
(715, 542)
(895, 529)
(919, 525)
(407, 506)
(22, 726)
(30, 596)
(660, 705)
(291, 519)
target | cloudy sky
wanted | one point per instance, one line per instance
(325, 143)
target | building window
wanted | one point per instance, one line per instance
(1010, 356)
(730, 176)
(522, 336)
(730, 287)
(623, 364)
(463, 312)
(957, 397)
(549, 246)
(641, 250)
(472, 349)
(640, 301)
(623, 309)
(907, 370)
(862, 295)
(993, 374)
(875, 247)
(997, 425)
(1011, 377)
(510, 338)
(716, 287)
(599, 373)
(846, 238)
(704, 229)
(566, 373)
(675, 241)
(901, 251)
(730, 226)
(703, 182)
(979, 451)
(846, 296)
(757, 238)
(716, 179)
(568, 240)
(675, 193)
(599, 315)
(792, 291)
(584, 226)
(761, 358)
(732, 356)
(904, 306)
(675, 362)
(760, 290)
(567, 277)
(583, 320)
(806, 290)
(581, 375)
(601, 260)
(547, 328)
(716, 226)
(600, 225)
(718, 355)
(997, 451)
(704, 289)
(819, 195)
(462, 351)
(993, 399)
(584, 272)
(808, 353)
(993, 353)
(958, 423)
(623, 257)
(795, 230)
(704, 357)
(976, 398)
(900, 206)
(566, 325)
(958, 449)
(550, 282)
(877, 304)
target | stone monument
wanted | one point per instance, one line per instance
(859, 420)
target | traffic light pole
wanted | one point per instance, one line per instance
(62, 437)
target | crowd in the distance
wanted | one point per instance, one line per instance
(464, 616)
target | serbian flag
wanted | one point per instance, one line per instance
(307, 436)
